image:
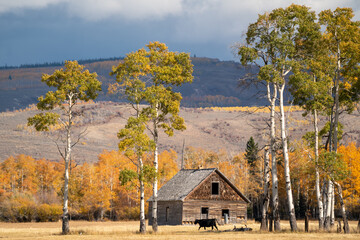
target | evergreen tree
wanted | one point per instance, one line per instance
(251, 155)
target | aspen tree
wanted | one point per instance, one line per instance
(272, 40)
(343, 40)
(310, 85)
(159, 70)
(259, 47)
(133, 139)
(72, 84)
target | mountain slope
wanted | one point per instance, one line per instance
(215, 84)
(205, 128)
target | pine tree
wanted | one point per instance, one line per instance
(252, 154)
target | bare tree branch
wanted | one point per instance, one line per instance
(58, 147)
(80, 135)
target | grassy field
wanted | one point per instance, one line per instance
(128, 230)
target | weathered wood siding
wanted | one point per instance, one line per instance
(187, 211)
(192, 210)
(169, 213)
(203, 191)
(227, 199)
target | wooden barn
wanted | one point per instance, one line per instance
(199, 194)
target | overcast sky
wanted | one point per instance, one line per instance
(38, 31)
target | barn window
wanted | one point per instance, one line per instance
(215, 188)
(225, 211)
(167, 214)
(204, 212)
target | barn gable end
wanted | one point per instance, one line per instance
(225, 190)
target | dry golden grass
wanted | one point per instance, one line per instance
(255, 109)
(128, 230)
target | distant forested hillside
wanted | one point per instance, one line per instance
(215, 83)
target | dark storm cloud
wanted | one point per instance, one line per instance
(36, 31)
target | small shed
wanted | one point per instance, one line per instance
(199, 194)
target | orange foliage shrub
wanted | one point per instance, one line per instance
(48, 213)
(19, 207)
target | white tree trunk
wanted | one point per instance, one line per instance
(332, 215)
(342, 208)
(142, 198)
(324, 197)
(327, 222)
(317, 175)
(265, 203)
(292, 216)
(336, 123)
(155, 184)
(65, 216)
(336, 110)
(275, 182)
(141, 183)
(333, 145)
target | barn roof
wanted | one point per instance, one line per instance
(185, 181)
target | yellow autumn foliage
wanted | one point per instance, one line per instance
(351, 185)
(95, 190)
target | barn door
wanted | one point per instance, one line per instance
(204, 213)
(225, 213)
